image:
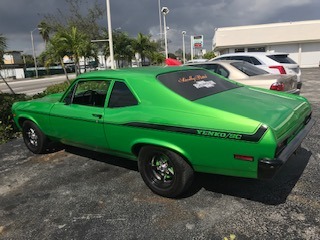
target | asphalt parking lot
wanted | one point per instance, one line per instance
(78, 194)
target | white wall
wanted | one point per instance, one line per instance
(17, 73)
(310, 56)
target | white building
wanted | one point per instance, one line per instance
(300, 39)
(13, 66)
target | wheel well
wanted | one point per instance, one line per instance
(21, 121)
(136, 149)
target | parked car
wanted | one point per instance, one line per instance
(272, 62)
(173, 121)
(248, 74)
(198, 60)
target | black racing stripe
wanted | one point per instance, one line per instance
(201, 132)
(66, 117)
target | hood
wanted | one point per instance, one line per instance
(39, 104)
(280, 111)
(52, 98)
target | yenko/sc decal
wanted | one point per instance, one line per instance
(220, 134)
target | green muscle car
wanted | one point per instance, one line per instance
(174, 121)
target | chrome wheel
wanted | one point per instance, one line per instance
(162, 169)
(32, 137)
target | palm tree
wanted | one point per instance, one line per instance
(55, 52)
(122, 47)
(44, 30)
(144, 46)
(3, 46)
(75, 43)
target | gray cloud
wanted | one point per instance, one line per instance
(19, 17)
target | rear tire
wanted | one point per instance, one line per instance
(34, 138)
(164, 171)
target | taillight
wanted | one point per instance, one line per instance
(280, 68)
(243, 157)
(277, 86)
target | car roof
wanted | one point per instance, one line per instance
(127, 73)
(212, 62)
(254, 53)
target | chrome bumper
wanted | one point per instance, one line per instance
(268, 167)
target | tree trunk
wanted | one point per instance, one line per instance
(65, 70)
(11, 90)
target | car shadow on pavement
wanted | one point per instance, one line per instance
(103, 157)
(271, 192)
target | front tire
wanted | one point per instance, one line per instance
(164, 171)
(34, 138)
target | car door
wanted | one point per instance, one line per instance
(122, 108)
(78, 118)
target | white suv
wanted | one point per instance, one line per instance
(269, 61)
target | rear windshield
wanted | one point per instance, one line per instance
(283, 58)
(248, 68)
(195, 84)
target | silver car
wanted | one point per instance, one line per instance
(272, 62)
(248, 74)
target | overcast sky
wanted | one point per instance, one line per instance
(196, 17)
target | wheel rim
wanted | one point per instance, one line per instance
(161, 170)
(32, 137)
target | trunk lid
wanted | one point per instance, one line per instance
(266, 80)
(283, 113)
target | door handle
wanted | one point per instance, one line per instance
(97, 115)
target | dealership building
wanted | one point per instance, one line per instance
(300, 39)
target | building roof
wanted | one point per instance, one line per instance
(14, 51)
(274, 33)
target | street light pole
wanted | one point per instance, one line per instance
(34, 52)
(183, 47)
(165, 11)
(110, 34)
(159, 5)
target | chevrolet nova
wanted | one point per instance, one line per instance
(173, 121)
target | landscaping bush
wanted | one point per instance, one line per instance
(8, 130)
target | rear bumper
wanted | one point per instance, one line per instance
(268, 167)
(299, 85)
(295, 91)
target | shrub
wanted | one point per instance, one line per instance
(8, 129)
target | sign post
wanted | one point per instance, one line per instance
(196, 43)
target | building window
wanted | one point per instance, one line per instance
(238, 50)
(257, 49)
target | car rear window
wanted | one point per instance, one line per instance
(283, 58)
(248, 68)
(195, 84)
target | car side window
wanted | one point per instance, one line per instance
(254, 61)
(89, 93)
(222, 71)
(241, 58)
(121, 96)
(212, 67)
(224, 58)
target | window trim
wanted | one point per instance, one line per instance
(110, 92)
(75, 85)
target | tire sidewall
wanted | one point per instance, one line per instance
(183, 173)
(27, 125)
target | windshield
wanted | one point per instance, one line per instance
(248, 68)
(283, 58)
(195, 84)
